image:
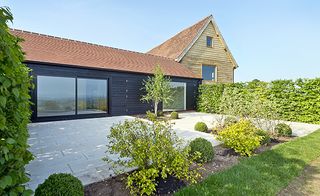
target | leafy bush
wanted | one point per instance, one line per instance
(154, 149)
(204, 147)
(201, 126)
(241, 137)
(230, 120)
(209, 99)
(160, 113)
(151, 116)
(293, 100)
(174, 115)
(265, 136)
(283, 129)
(60, 184)
(15, 84)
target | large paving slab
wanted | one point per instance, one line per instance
(73, 146)
(78, 146)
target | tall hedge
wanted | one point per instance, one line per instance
(14, 111)
(297, 100)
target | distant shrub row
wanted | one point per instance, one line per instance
(297, 100)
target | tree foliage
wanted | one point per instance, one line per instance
(14, 111)
(157, 89)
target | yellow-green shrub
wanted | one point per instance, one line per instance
(241, 137)
(154, 149)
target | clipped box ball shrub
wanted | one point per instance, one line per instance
(204, 147)
(201, 126)
(60, 184)
(265, 136)
(174, 115)
(283, 129)
(230, 120)
(241, 137)
(151, 116)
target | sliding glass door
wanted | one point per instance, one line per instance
(92, 96)
(178, 97)
(61, 96)
(56, 96)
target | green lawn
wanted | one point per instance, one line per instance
(263, 174)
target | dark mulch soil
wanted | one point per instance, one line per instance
(224, 158)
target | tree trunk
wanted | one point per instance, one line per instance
(156, 108)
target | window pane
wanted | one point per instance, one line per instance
(209, 41)
(56, 96)
(92, 96)
(208, 72)
(178, 96)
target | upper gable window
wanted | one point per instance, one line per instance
(209, 41)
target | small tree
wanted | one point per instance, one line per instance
(157, 89)
(15, 84)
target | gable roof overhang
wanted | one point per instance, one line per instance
(199, 28)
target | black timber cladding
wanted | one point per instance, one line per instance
(124, 89)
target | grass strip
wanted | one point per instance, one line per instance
(263, 174)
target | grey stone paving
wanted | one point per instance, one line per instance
(74, 146)
(78, 146)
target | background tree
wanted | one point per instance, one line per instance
(157, 89)
(15, 84)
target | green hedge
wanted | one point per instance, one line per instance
(14, 112)
(297, 100)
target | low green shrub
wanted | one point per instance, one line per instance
(160, 113)
(60, 184)
(174, 115)
(283, 129)
(265, 136)
(201, 126)
(154, 149)
(151, 116)
(204, 147)
(230, 120)
(241, 137)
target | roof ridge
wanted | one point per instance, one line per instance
(84, 42)
(181, 31)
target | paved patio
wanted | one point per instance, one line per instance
(77, 147)
(189, 119)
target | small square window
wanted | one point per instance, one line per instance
(209, 41)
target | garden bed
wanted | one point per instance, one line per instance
(266, 173)
(224, 158)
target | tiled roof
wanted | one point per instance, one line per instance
(175, 46)
(55, 50)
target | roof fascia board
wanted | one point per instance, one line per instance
(210, 19)
(184, 52)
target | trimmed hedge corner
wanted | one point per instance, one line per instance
(60, 184)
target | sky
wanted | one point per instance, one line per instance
(274, 39)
